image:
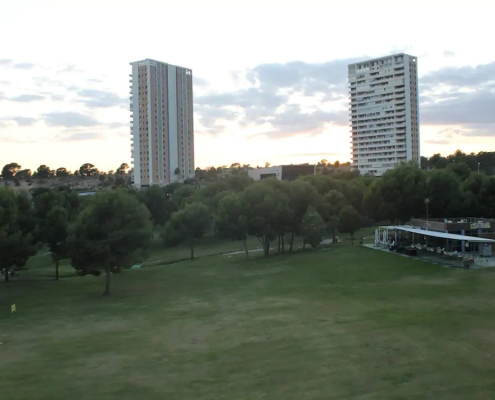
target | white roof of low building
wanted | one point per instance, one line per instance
(443, 235)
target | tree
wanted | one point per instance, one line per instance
(159, 205)
(61, 172)
(10, 170)
(334, 202)
(267, 210)
(55, 231)
(88, 169)
(403, 191)
(107, 233)
(301, 196)
(43, 172)
(231, 219)
(24, 174)
(16, 224)
(444, 192)
(190, 223)
(123, 168)
(184, 194)
(312, 227)
(350, 221)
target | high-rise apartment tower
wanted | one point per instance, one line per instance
(162, 131)
(384, 113)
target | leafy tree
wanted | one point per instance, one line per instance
(88, 169)
(444, 193)
(231, 220)
(16, 223)
(108, 231)
(55, 232)
(267, 210)
(24, 174)
(61, 172)
(190, 223)
(123, 168)
(10, 170)
(403, 191)
(159, 205)
(43, 172)
(184, 194)
(312, 227)
(301, 195)
(334, 202)
(350, 221)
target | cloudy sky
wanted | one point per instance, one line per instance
(270, 76)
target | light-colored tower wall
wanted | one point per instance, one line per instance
(384, 113)
(162, 128)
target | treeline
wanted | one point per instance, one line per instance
(484, 161)
(14, 173)
(112, 229)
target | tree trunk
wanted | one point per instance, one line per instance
(107, 283)
(291, 241)
(266, 246)
(6, 270)
(244, 243)
(352, 239)
(56, 268)
(278, 246)
(283, 244)
(192, 252)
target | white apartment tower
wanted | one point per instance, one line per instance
(384, 113)
(162, 131)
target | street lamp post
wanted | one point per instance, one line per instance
(427, 201)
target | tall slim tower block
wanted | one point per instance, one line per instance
(384, 113)
(162, 131)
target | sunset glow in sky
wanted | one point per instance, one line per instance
(270, 76)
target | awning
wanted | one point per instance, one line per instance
(443, 235)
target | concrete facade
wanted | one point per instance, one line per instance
(384, 113)
(162, 131)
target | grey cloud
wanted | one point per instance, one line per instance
(200, 81)
(115, 125)
(461, 76)
(23, 121)
(69, 119)
(101, 98)
(292, 121)
(43, 80)
(448, 53)
(5, 62)
(27, 98)
(81, 136)
(94, 80)
(24, 65)
(300, 76)
(258, 105)
(465, 109)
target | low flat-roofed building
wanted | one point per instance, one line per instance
(282, 172)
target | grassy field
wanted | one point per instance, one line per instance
(349, 323)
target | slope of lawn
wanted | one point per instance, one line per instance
(348, 323)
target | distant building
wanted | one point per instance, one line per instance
(285, 172)
(162, 130)
(384, 113)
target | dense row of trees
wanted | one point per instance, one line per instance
(109, 231)
(14, 172)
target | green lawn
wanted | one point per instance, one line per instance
(349, 323)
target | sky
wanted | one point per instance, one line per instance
(270, 77)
